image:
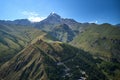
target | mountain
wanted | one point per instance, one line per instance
(14, 38)
(118, 25)
(100, 40)
(49, 23)
(74, 25)
(51, 61)
(32, 51)
(22, 22)
(63, 33)
(54, 20)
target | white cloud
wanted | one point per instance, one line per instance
(36, 19)
(33, 16)
(94, 22)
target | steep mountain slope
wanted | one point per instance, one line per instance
(13, 38)
(49, 23)
(54, 20)
(63, 33)
(102, 41)
(9, 43)
(51, 61)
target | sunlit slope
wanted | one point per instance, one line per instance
(13, 38)
(51, 61)
(102, 41)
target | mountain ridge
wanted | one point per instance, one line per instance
(59, 47)
(41, 60)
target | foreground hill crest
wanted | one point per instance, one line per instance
(42, 60)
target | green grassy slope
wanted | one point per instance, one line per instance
(13, 38)
(51, 61)
(102, 41)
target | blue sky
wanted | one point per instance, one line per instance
(99, 11)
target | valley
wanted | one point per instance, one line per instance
(59, 48)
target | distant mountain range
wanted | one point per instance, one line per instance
(59, 48)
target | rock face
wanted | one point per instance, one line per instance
(63, 33)
(49, 23)
(54, 20)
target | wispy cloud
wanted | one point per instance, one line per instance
(33, 16)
